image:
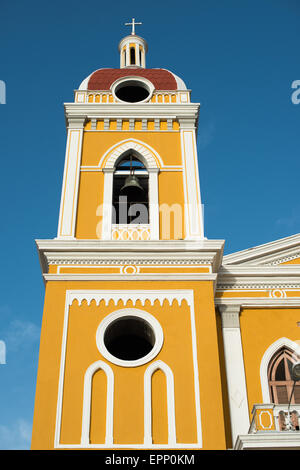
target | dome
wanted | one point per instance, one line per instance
(162, 79)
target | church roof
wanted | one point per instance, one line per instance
(162, 79)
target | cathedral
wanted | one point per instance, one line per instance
(151, 337)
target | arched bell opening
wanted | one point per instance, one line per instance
(130, 191)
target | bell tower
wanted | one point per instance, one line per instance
(129, 354)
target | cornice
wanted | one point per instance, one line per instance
(95, 259)
(272, 253)
(130, 277)
(59, 244)
(259, 277)
(180, 111)
(268, 440)
(258, 302)
(57, 251)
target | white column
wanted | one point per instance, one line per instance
(122, 59)
(193, 206)
(69, 196)
(137, 55)
(143, 64)
(153, 203)
(127, 55)
(107, 203)
(235, 370)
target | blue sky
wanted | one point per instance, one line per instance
(239, 57)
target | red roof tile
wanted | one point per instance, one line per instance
(102, 79)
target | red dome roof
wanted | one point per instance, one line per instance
(102, 79)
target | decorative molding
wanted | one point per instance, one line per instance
(107, 295)
(268, 254)
(177, 251)
(193, 207)
(69, 194)
(124, 261)
(230, 315)
(258, 277)
(86, 411)
(159, 365)
(186, 112)
(259, 302)
(235, 369)
(131, 277)
(284, 259)
(130, 78)
(259, 285)
(140, 262)
(268, 440)
(148, 155)
(125, 296)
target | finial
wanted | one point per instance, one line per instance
(133, 24)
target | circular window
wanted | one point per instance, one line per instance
(131, 90)
(129, 337)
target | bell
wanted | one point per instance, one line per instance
(131, 184)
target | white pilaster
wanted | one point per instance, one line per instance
(69, 197)
(137, 54)
(127, 55)
(153, 203)
(143, 64)
(107, 203)
(193, 207)
(235, 370)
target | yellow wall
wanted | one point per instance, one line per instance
(91, 185)
(176, 352)
(166, 144)
(260, 328)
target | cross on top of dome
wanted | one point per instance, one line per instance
(133, 24)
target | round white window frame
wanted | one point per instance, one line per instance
(130, 312)
(149, 85)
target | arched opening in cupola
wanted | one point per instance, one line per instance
(132, 56)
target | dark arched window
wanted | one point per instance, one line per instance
(280, 380)
(130, 191)
(132, 56)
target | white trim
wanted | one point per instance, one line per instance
(173, 251)
(268, 440)
(281, 342)
(107, 206)
(132, 78)
(259, 302)
(145, 151)
(69, 195)
(153, 205)
(131, 277)
(193, 207)
(86, 411)
(186, 113)
(235, 370)
(271, 253)
(159, 365)
(130, 312)
(180, 83)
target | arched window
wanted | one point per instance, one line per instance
(279, 377)
(132, 56)
(130, 191)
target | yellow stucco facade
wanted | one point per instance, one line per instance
(214, 325)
